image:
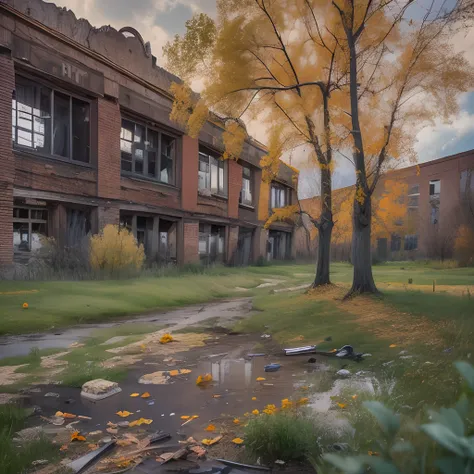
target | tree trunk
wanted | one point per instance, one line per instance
(324, 256)
(324, 231)
(363, 280)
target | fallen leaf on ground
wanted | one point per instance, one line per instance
(141, 421)
(81, 417)
(124, 413)
(174, 373)
(68, 415)
(260, 379)
(238, 441)
(211, 428)
(185, 417)
(95, 433)
(77, 436)
(303, 401)
(392, 346)
(254, 398)
(113, 431)
(146, 395)
(210, 442)
(342, 405)
(133, 395)
(373, 453)
(202, 379)
(255, 412)
(132, 438)
(111, 425)
(59, 414)
(354, 397)
(123, 442)
(185, 371)
(200, 451)
(236, 421)
(64, 447)
(216, 396)
(166, 338)
(195, 416)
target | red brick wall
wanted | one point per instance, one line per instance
(189, 168)
(108, 161)
(232, 240)
(235, 186)
(108, 215)
(54, 176)
(7, 166)
(148, 193)
(191, 242)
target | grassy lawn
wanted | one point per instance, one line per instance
(56, 304)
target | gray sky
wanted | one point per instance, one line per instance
(159, 20)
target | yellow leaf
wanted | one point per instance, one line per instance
(78, 437)
(246, 414)
(392, 346)
(59, 414)
(238, 441)
(111, 425)
(133, 395)
(195, 416)
(124, 414)
(185, 371)
(260, 379)
(185, 417)
(342, 405)
(211, 428)
(236, 421)
(68, 415)
(146, 395)
(208, 378)
(255, 412)
(203, 379)
(303, 401)
(166, 338)
(210, 442)
(354, 397)
(174, 373)
(254, 398)
(216, 396)
(64, 447)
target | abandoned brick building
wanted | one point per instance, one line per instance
(439, 198)
(86, 140)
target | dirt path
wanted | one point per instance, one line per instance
(383, 320)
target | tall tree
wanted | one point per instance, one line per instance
(275, 61)
(403, 73)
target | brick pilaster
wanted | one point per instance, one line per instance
(235, 186)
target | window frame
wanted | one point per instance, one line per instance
(160, 132)
(72, 95)
(250, 178)
(30, 221)
(225, 170)
(287, 192)
(410, 240)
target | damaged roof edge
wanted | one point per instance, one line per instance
(62, 23)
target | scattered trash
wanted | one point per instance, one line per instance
(343, 373)
(361, 373)
(80, 464)
(199, 451)
(244, 466)
(58, 421)
(51, 395)
(95, 433)
(406, 357)
(280, 462)
(266, 336)
(40, 462)
(272, 368)
(344, 351)
(300, 350)
(390, 362)
(256, 355)
(402, 353)
(112, 431)
(123, 424)
(172, 414)
(159, 436)
(448, 350)
(155, 378)
(105, 440)
(151, 403)
(99, 389)
(367, 355)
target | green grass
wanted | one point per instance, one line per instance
(17, 459)
(33, 358)
(287, 436)
(76, 375)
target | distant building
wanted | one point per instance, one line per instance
(440, 198)
(86, 140)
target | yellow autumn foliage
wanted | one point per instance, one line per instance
(115, 249)
(283, 214)
(182, 103)
(464, 246)
(233, 138)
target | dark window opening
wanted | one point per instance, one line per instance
(395, 243)
(147, 152)
(279, 196)
(278, 245)
(411, 242)
(167, 235)
(50, 122)
(211, 243)
(30, 227)
(78, 226)
(435, 190)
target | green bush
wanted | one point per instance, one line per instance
(445, 444)
(289, 436)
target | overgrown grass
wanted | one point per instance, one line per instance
(76, 375)
(288, 436)
(18, 459)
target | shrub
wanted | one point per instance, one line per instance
(464, 246)
(115, 249)
(445, 444)
(286, 435)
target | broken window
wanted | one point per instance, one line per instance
(30, 226)
(146, 152)
(395, 243)
(78, 226)
(247, 185)
(279, 196)
(435, 189)
(212, 174)
(211, 243)
(50, 122)
(167, 231)
(411, 242)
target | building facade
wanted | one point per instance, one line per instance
(438, 198)
(86, 141)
